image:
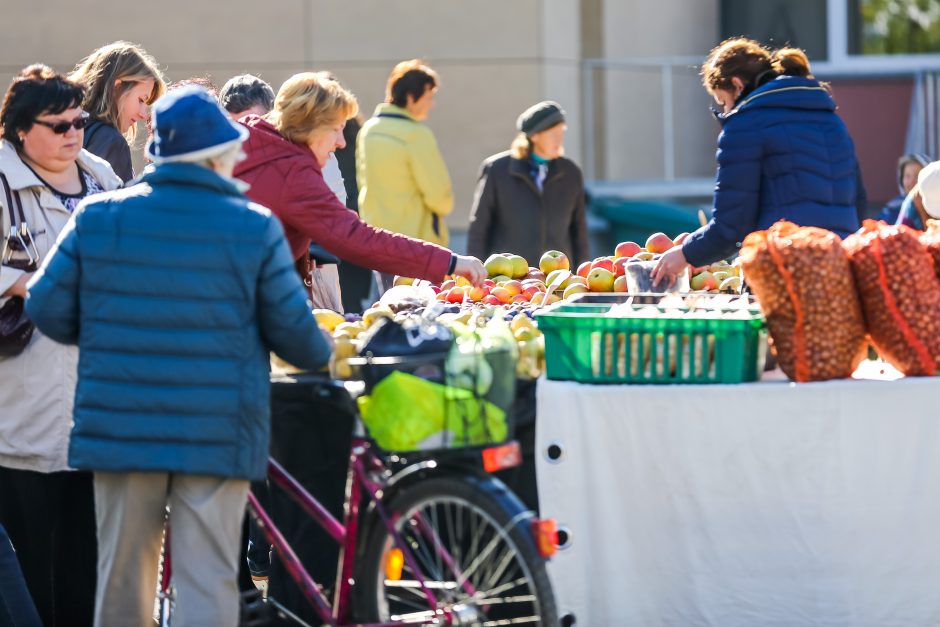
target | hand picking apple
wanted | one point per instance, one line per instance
(471, 269)
(670, 265)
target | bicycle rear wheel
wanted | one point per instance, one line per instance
(473, 547)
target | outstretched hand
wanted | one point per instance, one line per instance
(670, 265)
(471, 269)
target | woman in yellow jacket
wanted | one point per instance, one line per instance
(403, 182)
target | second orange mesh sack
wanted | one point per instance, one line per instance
(900, 295)
(802, 278)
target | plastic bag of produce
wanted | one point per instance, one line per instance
(407, 413)
(931, 239)
(802, 278)
(900, 294)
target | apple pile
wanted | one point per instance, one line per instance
(604, 271)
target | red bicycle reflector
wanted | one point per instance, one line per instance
(545, 532)
(502, 457)
(394, 564)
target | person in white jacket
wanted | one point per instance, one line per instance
(47, 509)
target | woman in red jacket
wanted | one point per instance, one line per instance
(286, 152)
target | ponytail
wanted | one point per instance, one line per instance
(791, 62)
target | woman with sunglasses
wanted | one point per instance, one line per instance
(47, 509)
(783, 153)
(121, 82)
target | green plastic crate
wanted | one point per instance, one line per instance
(583, 344)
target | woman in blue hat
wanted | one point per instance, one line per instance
(175, 290)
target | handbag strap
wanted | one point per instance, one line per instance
(11, 194)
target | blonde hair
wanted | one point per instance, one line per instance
(309, 101)
(123, 63)
(749, 61)
(521, 147)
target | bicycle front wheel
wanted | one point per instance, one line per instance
(473, 549)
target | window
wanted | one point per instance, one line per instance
(888, 27)
(777, 23)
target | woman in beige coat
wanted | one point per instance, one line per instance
(47, 509)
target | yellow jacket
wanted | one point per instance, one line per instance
(403, 182)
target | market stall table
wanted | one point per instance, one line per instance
(768, 504)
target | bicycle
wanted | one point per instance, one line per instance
(426, 539)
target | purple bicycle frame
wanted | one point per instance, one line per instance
(361, 461)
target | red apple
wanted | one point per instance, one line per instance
(535, 273)
(620, 283)
(626, 249)
(501, 293)
(620, 266)
(531, 290)
(584, 269)
(476, 294)
(680, 238)
(603, 262)
(456, 295)
(514, 287)
(519, 298)
(658, 243)
(435, 289)
(554, 260)
(601, 280)
(442, 296)
(489, 299)
(703, 281)
(490, 283)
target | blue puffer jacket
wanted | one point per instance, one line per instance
(175, 290)
(783, 153)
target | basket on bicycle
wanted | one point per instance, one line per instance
(460, 395)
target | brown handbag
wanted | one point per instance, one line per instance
(19, 252)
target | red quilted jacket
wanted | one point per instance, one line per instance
(286, 178)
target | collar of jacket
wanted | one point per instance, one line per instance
(790, 91)
(386, 107)
(520, 168)
(189, 174)
(21, 177)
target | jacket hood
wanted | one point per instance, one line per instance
(906, 160)
(265, 145)
(786, 92)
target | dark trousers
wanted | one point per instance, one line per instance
(310, 437)
(50, 518)
(16, 606)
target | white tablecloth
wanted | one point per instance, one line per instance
(758, 505)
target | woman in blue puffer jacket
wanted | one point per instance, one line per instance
(783, 153)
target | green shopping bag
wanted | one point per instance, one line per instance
(408, 413)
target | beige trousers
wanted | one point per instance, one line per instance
(205, 530)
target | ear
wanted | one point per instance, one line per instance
(738, 85)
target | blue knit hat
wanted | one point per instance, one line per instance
(188, 125)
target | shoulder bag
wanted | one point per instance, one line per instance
(19, 252)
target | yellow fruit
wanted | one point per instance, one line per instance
(525, 335)
(328, 319)
(371, 316)
(353, 329)
(521, 321)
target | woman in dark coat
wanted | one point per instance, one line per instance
(783, 153)
(121, 82)
(530, 199)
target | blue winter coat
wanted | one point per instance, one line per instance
(175, 290)
(783, 153)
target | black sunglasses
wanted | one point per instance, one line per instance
(60, 128)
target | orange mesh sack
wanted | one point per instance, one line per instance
(931, 239)
(900, 295)
(802, 278)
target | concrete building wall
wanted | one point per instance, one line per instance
(494, 57)
(631, 142)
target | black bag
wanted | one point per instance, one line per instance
(15, 327)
